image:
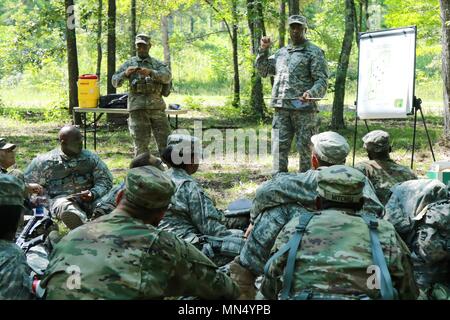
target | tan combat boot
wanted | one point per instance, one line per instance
(244, 278)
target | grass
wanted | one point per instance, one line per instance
(224, 181)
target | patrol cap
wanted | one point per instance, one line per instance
(376, 141)
(12, 191)
(331, 147)
(297, 19)
(142, 38)
(148, 187)
(4, 145)
(341, 183)
(182, 141)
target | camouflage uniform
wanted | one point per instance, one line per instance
(107, 203)
(120, 257)
(145, 102)
(383, 173)
(62, 176)
(278, 200)
(14, 273)
(192, 215)
(420, 212)
(297, 69)
(333, 257)
(14, 270)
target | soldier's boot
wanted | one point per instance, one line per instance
(71, 219)
(245, 280)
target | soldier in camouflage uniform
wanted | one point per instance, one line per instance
(109, 201)
(382, 171)
(301, 73)
(124, 256)
(420, 212)
(283, 197)
(8, 159)
(192, 215)
(336, 247)
(146, 77)
(15, 282)
(73, 178)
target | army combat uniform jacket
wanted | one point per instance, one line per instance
(384, 174)
(15, 282)
(61, 175)
(276, 202)
(297, 69)
(120, 257)
(144, 93)
(334, 258)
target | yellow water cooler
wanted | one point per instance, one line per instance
(88, 91)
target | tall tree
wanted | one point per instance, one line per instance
(111, 44)
(99, 37)
(337, 119)
(133, 28)
(165, 40)
(234, 41)
(233, 34)
(294, 7)
(282, 24)
(257, 31)
(445, 18)
(72, 57)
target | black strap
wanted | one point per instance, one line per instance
(386, 287)
(292, 246)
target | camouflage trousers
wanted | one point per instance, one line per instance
(64, 204)
(289, 123)
(267, 226)
(142, 123)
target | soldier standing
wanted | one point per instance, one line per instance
(147, 78)
(301, 73)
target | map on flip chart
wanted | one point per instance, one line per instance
(386, 74)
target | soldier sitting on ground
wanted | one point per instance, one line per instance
(109, 201)
(73, 178)
(14, 270)
(124, 256)
(420, 212)
(192, 215)
(8, 159)
(337, 252)
(381, 170)
(285, 196)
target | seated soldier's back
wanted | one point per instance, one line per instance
(384, 174)
(111, 254)
(335, 253)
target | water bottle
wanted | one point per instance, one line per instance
(39, 211)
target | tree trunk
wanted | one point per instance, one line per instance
(72, 58)
(257, 30)
(99, 38)
(294, 7)
(111, 44)
(282, 25)
(165, 40)
(192, 24)
(445, 18)
(234, 42)
(337, 120)
(133, 28)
